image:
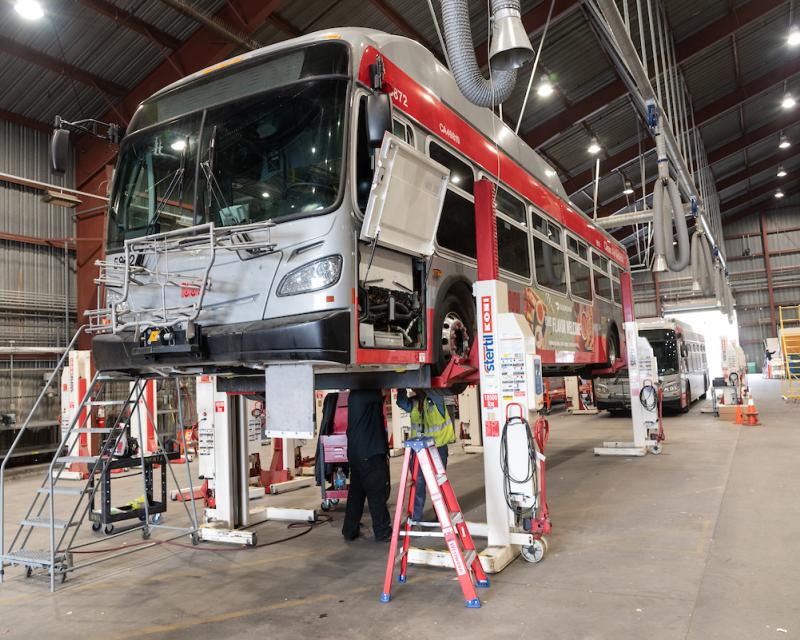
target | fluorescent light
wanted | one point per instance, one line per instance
(265, 194)
(455, 178)
(29, 9)
(788, 101)
(781, 172)
(779, 194)
(594, 147)
(545, 89)
(628, 190)
(178, 145)
(794, 37)
(784, 143)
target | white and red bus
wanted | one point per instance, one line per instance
(273, 145)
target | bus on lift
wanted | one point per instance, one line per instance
(682, 367)
(234, 223)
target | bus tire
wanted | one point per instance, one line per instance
(612, 345)
(454, 327)
(704, 395)
(688, 399)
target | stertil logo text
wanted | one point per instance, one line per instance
(488, 336)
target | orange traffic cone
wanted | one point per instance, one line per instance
(739, 414)
(752, 412)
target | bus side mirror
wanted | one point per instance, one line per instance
(684, 351)
(379, 117)
(59, 151)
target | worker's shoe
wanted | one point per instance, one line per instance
(387, 537)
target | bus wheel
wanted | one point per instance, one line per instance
(612, 347)
(454, 330)
(688, 400)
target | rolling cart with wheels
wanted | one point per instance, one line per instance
(107, 515)
(331, 469)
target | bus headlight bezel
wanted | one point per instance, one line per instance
(672, 387)
(312, 276)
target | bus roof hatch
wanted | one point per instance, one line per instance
(406, 199)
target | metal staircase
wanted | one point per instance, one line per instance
(58, 508)
(790, 346)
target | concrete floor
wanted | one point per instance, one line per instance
(695, 543)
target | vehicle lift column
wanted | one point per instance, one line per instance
(510, 388)
(645, 390)
(224, 432)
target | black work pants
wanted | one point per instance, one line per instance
(369, 479)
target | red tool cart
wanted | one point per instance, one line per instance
(332, 470)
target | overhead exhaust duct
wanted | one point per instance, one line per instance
(511, 48)
(667, 206)
(509, 44)
(702, 264)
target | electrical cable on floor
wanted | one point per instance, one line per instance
(306, 527)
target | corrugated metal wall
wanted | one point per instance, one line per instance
(37, 294)
(748, 271)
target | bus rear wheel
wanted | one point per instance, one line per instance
(612, 347)
(688, 406)
(454, 330)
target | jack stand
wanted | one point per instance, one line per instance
(645, 400)
(400, 422)
(575, 398)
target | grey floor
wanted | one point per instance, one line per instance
(699, 542)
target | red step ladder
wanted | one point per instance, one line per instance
(456, 534)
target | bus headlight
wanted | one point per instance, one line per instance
(313, 276)
(671, 388)
(600, 387)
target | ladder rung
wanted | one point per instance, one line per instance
(31, 558)
(456, 518)
(108, 403)
(79, 459)
(63, 491)
(93, 430)
(45, 523)
(469, 558)
(441, 479)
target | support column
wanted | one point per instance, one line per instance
(768, 266)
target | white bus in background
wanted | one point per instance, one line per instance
(682, 367)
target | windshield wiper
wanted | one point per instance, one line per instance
(176, 181)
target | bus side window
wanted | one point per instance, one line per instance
(457, 224)
(364, 168)
(549, 263)
(602, 283)
(579, 279)
(512, 239)
(615, 284)
(403, 131)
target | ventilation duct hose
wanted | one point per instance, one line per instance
(667, 207)
(461, 51)
(702, 265)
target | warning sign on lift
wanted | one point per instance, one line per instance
(512, 375)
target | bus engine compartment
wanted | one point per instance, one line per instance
(390, 299)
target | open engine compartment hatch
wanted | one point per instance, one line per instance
(406, 198)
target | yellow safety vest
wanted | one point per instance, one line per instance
(430, 422)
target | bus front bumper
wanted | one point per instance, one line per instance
(321, 336)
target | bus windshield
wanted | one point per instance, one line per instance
(271, 155)
(665, 349)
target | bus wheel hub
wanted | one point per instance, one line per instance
(455, 337)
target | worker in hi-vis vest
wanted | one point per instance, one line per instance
(429, 417)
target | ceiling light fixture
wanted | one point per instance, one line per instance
(178, 145)
(784, 143)
(594, 147)
(545, 89)
(779, 194)
(793, 39)
(781, 172)
(29, 9)
(628, 190)
(788, 101)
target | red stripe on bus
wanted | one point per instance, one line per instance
(426, 108)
